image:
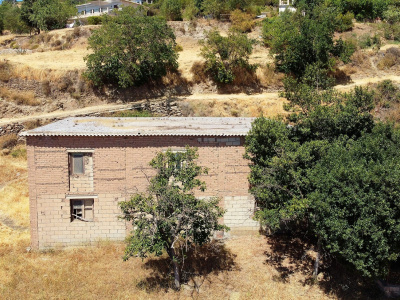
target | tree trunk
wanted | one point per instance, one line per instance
(316, 264)
(177, 276)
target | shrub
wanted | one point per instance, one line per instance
(386, 62)
(172, 10)
(198, 71)
(8, 141)
(241, 21)
(178, 48)
(94, 20)
(223, 55)
(25, 98)
(5, 71)
(344, 22)
(116, 61)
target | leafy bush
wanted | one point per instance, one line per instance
(344, 22)
(129, 49)
(241, 21)
(172, 10)
(190, 11)
(212, 8)
(224, 55)
(94, 20)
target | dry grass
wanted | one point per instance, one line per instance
(234, 107)
(19, 97)
(360, 59)
(8, 141)
(14, 203)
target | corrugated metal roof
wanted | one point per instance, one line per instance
(92, 126)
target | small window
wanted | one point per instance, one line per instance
(77, 163)
(82, 209)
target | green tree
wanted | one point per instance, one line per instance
(12, 20)
(225, 55)
(331, 171)
(51, 14)
(172, 10)
(130, 48)
(212, 8)
(169, 217)
(297, 40)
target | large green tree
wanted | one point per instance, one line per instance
(334, 170)
(170, 217)
(130, 48)
(299, 39)
(46, 14)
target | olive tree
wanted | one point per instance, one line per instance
(169, 217)
(130, 48)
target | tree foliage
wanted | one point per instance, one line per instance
(225, 55)
(169, 217)
(298, 40)
(334, 170)
(130, 48)
(46, 14)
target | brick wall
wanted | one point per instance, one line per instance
(120, 168)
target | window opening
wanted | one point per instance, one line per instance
(82, 210)
(77, 163)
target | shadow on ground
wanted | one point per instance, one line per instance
(290, 254)
(200, 263)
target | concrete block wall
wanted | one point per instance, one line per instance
(79, 183)
(121, 168)
(240, 210)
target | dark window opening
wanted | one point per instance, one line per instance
(82, 210)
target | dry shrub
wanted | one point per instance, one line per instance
(198, 71)
(8, 141)
(76, 32)
(46, 89)
(394, 51)
(360, 59)
(21, 98)
(65, 83)
(56, 43)
(242, 21)
(349, 69)
(25, 98)
(5, 71)
(32, 124)
(341, 76)
(386, 62)
(268, 75)
(245, 77)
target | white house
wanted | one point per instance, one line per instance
(97, 8)
(286, 5)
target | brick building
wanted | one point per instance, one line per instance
(80, 168)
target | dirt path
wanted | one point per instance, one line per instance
(195, 97)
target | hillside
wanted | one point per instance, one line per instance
(42, 74)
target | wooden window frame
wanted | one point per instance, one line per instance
(87, 204)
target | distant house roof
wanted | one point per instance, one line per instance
(175, 126)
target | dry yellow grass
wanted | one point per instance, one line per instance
(19, 97)
(235, 106)
(14, 201)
